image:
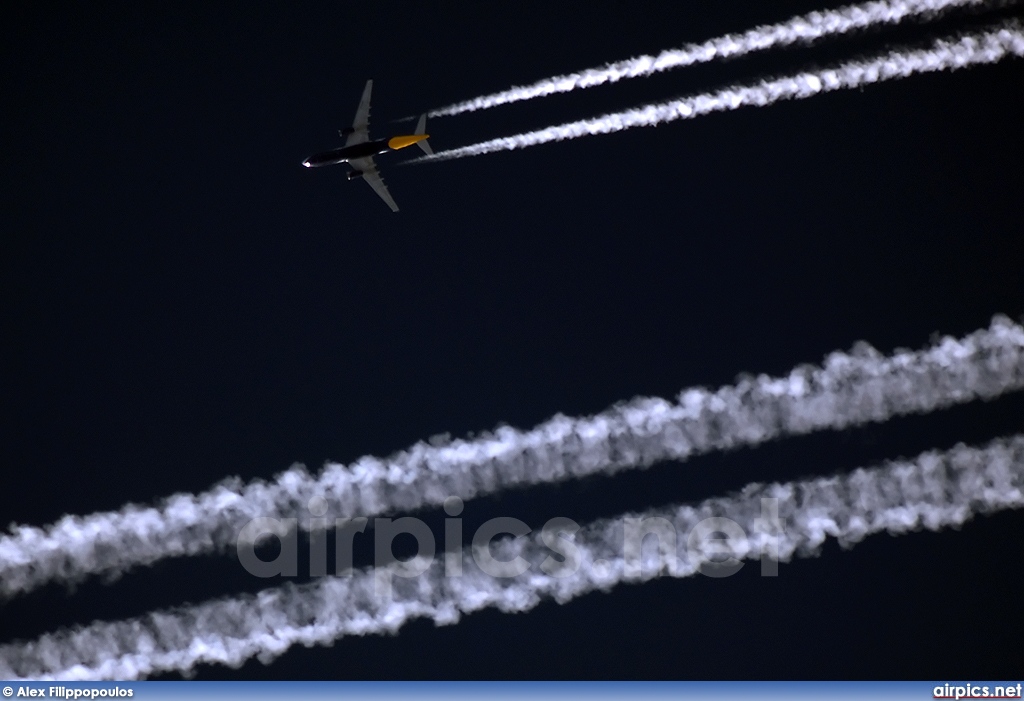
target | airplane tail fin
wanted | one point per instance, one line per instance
(421, 128)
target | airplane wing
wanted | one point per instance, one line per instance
(361, 124)
(368, 168)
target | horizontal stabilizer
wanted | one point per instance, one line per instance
(421, 128)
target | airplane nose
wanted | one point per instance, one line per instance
(306, 163)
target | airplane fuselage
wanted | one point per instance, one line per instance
(344, 154)
(367, 149)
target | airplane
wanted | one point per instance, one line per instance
(359, 151)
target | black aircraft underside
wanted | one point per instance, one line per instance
(346, 153)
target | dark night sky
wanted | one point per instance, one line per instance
(183, 301)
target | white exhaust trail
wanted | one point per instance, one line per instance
(989, 46)
(935, 490)
(801, 29)
(847, 390)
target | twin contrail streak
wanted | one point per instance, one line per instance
(801, 29)
(989, 46)
(848, 389)
(935, 490)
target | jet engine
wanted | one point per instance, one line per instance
(355, 174)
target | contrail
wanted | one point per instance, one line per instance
(989, 46)
(848, 389)
(801, 29)
(933, 491)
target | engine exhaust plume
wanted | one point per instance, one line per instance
(989, 46)
(776, 522)
(805, 29)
